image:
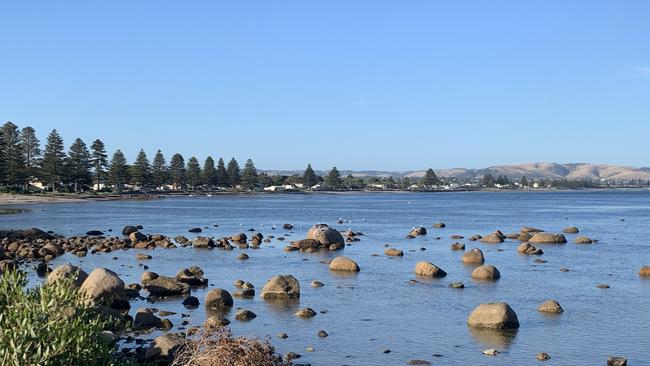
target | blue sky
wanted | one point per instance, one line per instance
(393, 85)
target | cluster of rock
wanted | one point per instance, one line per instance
(321, 236)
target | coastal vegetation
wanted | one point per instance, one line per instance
(26, 167)
(51, 325)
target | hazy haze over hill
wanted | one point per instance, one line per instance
(530, 170)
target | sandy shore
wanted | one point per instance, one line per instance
(19, 199)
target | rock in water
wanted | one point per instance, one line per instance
(217, 299)
(281, 287)
(344, 264)
(550, 306)
(326, 236)
(571, 230)
(617, 361)
(486, 272)
(547, 238)
(474, 256)
(497, 315)
(644, 271)
(392, 252)
(427, 269)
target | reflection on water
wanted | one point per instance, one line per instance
(493, 338)
(378, 308)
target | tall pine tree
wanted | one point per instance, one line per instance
(142, 171)
(77, 165)
(333, 179)
(13, 155)
(249, 175)
(99, 160)
(222, 174)
(193, 172)
(234, 174)
(118, 171)
(209, 172)
(309, 178)
(177, 171)
(53, 160)
(159, 170)
(31, 151)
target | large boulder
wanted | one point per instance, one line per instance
(547, 238)
(498, 315)
(344, 264)
(281, 287)
(486, 272)
(103, 287)
(528, 229)
(166, 286)
(474, 256)
(325, 235)
(644, 271)
(217, 299)
(68, 271)
(428, 269)
(583, 240)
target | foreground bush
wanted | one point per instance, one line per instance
(49, 325)
(217, 347)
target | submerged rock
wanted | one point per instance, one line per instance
(571, 230)
(547, 238)
(550, 306)
(392, 252)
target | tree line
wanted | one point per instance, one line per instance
(23, 161)
(83, 167)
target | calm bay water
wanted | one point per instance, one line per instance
(377, 308)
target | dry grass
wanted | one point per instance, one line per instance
(217, 347)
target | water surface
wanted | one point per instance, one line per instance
(377, 308)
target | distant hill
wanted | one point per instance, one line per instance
(530, 170)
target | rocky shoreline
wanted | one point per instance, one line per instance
(35, 248)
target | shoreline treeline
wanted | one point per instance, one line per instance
(26, 166)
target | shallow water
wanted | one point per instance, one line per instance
(377, 308)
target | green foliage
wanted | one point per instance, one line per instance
(177, 171)
(234, 174)
(193, 172)
(118, 170)
(309, 178)
(49, 325)
(209, 173)
(249, 175)
(333, 179)
(53, 159)
(141, 170)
